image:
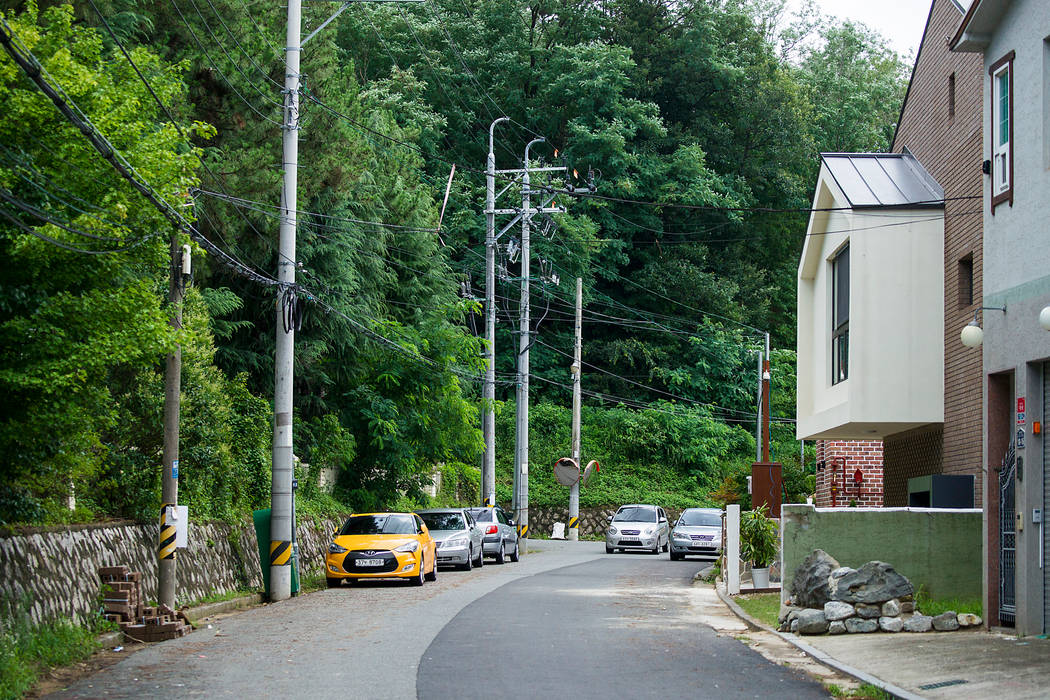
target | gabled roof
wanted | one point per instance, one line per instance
(883, 180)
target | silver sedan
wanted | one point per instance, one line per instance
(458, 537)
(698, 531)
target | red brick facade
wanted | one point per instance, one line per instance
(941, 125)
(837, 465)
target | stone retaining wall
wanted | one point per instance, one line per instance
(55, 572)
(593, 521)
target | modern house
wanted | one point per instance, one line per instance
(1012, 314)
(892, 263)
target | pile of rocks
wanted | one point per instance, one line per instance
(830, 599)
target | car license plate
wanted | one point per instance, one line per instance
(369, 562)
(707, 538)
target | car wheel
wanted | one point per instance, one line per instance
(418, 579)
(667, 545)
(481, 557)
(609, 550)
(675, 556)
(433, 575)
(514, 555)
(656, 547)
(470, 561)
(501, 554)
(334, 582)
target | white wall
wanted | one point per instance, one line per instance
(896, 377)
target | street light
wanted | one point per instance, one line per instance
(972, 335)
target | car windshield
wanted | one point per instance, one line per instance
(482, 515)
(379, 525)
(635, 515)
(444, 521)
(699, 517)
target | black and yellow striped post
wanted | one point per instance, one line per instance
(523, 531)
(280, 552)
(166, 541)
(574, 524)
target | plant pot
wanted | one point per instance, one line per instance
(760, 577)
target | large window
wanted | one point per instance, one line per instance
(840, 316)
(1002, 130)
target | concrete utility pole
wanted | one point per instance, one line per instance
(765, 404)
(488, 427)
(180, 266)
(521, 507)
(758, 414)
(281, 488)
(281, 494)
(577, 371)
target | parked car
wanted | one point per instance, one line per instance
(382, 545)
(457, 534)
(637, 526)
(698, 531)
(500, 533)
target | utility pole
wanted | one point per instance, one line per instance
(488, 428)
(765, 403)
(758, 415)
(577, 370)
(281, 486)
(170, 466)
(521, 507)
(281, 491)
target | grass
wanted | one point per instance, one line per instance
(27, 651)
(764, 607)
(928, 605)
(219, 597)
(866, 691)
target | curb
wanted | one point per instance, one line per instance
(816, 654)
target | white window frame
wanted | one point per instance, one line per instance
(1002, 130)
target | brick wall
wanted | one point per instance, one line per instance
(946, 139)
(866, 455)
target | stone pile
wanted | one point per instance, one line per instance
(826, 598)
(123, 604)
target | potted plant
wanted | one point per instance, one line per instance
(759, 543)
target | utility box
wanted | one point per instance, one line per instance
(941, 491)
(262, 535)
(767, 486)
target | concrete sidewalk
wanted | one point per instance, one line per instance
(971, 664)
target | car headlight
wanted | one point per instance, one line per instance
(611, 530)
(649, 531)
(680, 535)
(408, 547)
(333, 548)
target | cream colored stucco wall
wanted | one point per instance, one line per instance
(896, 320)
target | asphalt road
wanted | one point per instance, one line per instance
(566, 621)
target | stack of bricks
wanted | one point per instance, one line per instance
(123, 604)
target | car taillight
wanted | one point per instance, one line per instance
(491, 530)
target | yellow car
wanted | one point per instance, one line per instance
(382, 545)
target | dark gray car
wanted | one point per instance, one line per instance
(457, 534)
(500, 531)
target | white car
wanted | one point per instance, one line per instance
(458, 537)
(638, 527)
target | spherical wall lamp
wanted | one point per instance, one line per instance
(1044, 318)
(972, 336)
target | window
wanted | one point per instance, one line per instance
(1002, 130)
(966, 281)
(840, 316)
(951, 97)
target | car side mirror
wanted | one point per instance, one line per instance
(335, 533)
(511, 522)
(609, 518)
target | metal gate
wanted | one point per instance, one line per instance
(1007, 541)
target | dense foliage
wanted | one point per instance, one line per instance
(702, 121)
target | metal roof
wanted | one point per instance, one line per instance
(883, 180)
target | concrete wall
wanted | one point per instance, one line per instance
(54, 571)
(940, 549)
